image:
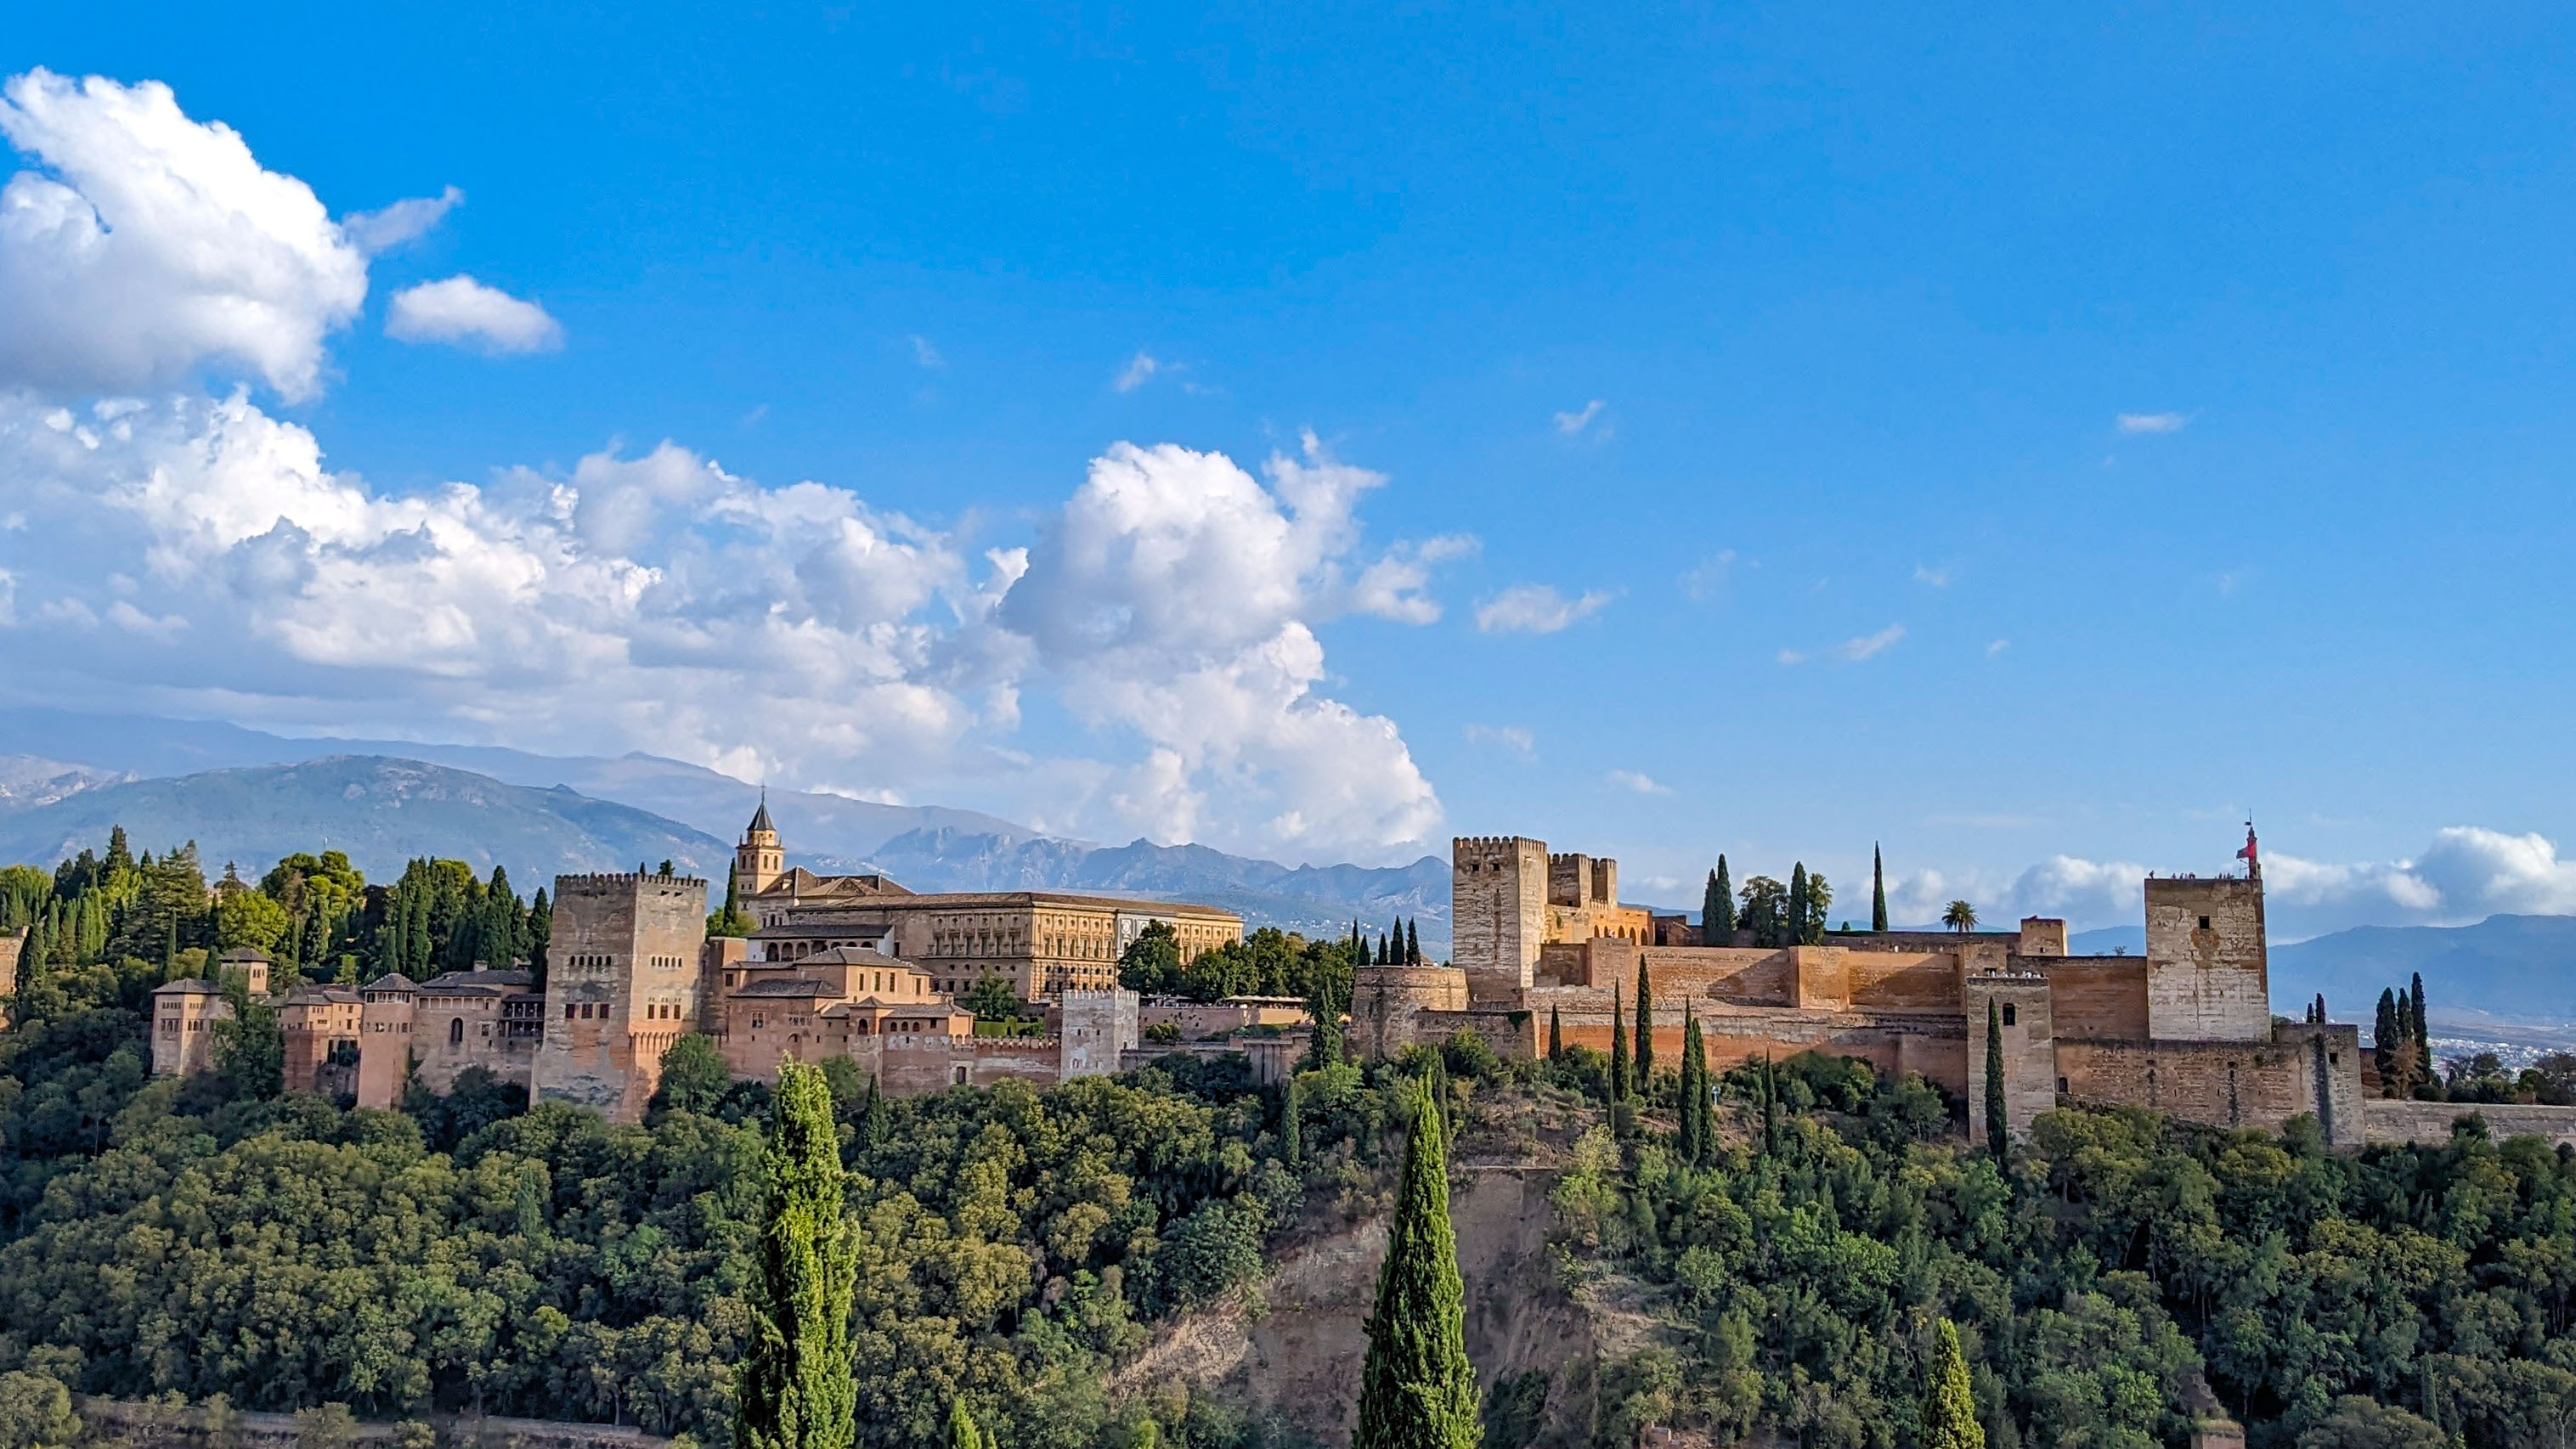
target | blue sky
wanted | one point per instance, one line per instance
(2033, 439)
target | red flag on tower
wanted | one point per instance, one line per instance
(2247, 854)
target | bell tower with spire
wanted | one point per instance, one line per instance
(758, 860)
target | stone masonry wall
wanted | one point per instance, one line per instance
(2021, 1010)
(2207, 982)
(1498, 913)
(167, 1426)
(621, 986)
(2428, 1124)
(2226, 1084)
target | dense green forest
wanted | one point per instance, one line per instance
(2401, 1296)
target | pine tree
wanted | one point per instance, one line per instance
(1950, 1400)
(1877, 890)
(1618, 1055)
(1555, 1036)
(1645, 1025)
(1417, 1389)
(2383, 1042)
(2423, 1033)
(1799, 909)
(1998, 1140)
(794, 1385)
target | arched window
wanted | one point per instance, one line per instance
(455, 1031)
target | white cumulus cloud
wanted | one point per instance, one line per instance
(1535, 609)
(146, 243)
(463, 311)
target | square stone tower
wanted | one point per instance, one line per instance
(1498, 894)
(2208, 970)
(622, 984)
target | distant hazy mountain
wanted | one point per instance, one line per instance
(381, 811)
(1316, 900)
(106, 748)
(27, 781)
(2515, 968)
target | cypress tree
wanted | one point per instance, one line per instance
(962, 1433)
(1877, 890)
(1695, 1105)
(1417, 1389)
(1725, 896)
(1770, 1108)
(1618, 1055)
(876, 1119)
(1645, 1025)
(1292, 1131)
(1555, 1036)
(1997, 1139)
(2383, 1042)
(1713, 907)
(1413, 943)
(1949, 1400)
(795, 1389)
(2423, 1032)
(1799, 907)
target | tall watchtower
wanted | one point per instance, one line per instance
(621, 986)
(1498, 891)
(758, 860)
(2208, 967)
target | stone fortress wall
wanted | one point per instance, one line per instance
(2186, 1027)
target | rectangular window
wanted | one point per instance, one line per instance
(2012, 1015)
(2204, 923)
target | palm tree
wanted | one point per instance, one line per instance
(1960, 917)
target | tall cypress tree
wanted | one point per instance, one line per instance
(1645, 1025)
(1555, 1036)
(1723, 893)
(1799, 909)
(1877, 890)
(1997, 1139)
(1413, 943)
(1618, 1054)
(1713, 907)
(1417, 1389)
(1950, 1400)
(962, 1433)
(794, 1385)
(2383, 1042)
(1292, 1130)
(2423, 1033)
(1695, 1105)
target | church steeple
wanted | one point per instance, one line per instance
(758, 860)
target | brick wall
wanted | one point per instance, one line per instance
(2099, 997)
(1387, 1000)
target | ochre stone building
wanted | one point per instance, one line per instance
(2186, 1028)
(1043, 943)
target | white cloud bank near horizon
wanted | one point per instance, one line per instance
(189, 550)
(2465, 874)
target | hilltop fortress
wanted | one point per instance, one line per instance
(852, 966)
(2187, 1028)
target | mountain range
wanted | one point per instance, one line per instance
(248, 796)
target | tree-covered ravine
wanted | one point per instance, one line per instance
(1795, 1254)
